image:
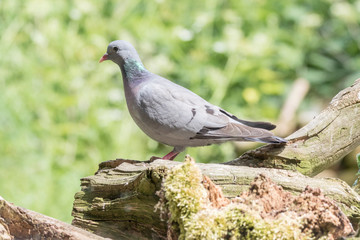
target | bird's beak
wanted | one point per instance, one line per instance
(105, 57)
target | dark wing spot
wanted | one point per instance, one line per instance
(209, 109)
(193, 112)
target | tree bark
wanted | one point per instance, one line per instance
(20, 223)
(330, 136)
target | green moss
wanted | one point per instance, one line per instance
(232, 222)
(158, 174)
(184, 193)
(146, 187)
(190, 208)
(305, 167)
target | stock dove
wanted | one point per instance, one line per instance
(175, 116)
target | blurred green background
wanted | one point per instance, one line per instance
(61, 113)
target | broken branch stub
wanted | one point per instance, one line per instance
(326, 139)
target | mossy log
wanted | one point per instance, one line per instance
(330, 136)
(118, 201)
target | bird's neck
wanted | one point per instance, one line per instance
(133, 70)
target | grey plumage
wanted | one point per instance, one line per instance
(175, 116)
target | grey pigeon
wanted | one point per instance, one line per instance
(175, 116)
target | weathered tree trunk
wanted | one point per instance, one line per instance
(119, 200)
(325, 140)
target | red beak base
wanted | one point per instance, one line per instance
(103, 58)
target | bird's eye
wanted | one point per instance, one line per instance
(115, 49)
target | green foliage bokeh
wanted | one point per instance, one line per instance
(61, 113)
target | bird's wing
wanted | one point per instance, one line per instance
(169, 105)
(177, 109)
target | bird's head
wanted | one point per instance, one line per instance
(119, 51)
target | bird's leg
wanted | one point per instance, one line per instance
(171, 155)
